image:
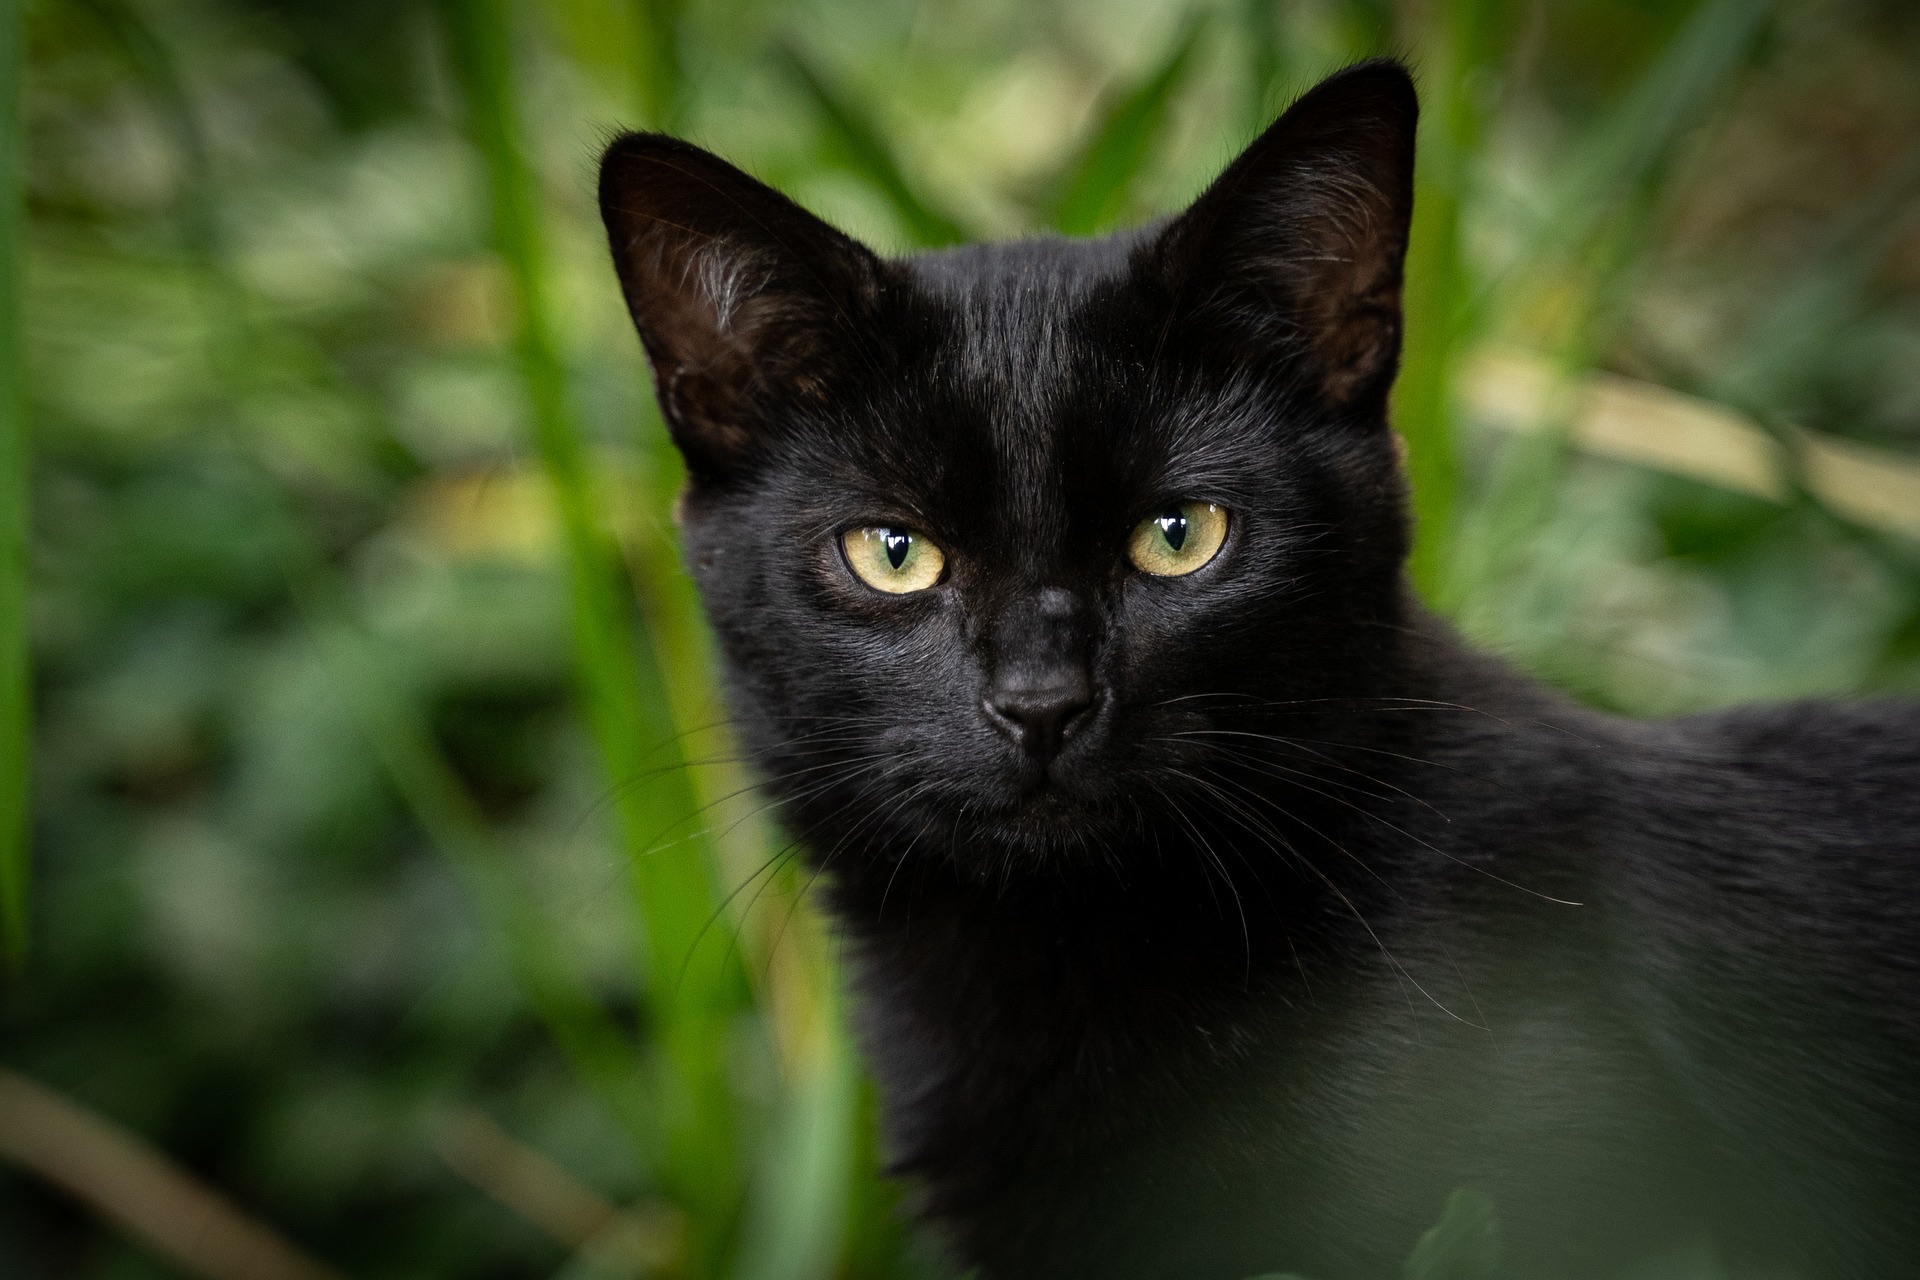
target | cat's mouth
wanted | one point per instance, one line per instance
(1053, 785)
(1051, 801)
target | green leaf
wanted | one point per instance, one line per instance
(15, 700)
(1097, 186)
(861, 148)
(1463, 1245)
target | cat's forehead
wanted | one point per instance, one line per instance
(1009, 311)
(1050, 271)
(1004, 369)
(1040, 369)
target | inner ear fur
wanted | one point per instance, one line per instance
(1303, 239)
(742, 298)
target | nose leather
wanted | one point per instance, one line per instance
(1041, 717)
(1040, 684)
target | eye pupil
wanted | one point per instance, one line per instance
(897, 545)
(1173, 527)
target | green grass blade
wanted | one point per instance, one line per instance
(805, 1191)
(1097, 186)
(16, 731)
(662, 80)
(1260, 28)
(856, 138)
(692, 980)
(1450, 127)
(152, 62)
(797, 1218)
(633, 46)
(1423, 393)
(1600, 191)
(877, 1235)
(1634, 137)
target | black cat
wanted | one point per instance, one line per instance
(1213, 910)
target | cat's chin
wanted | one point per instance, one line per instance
(1053, 822)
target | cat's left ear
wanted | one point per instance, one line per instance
(1300, 244)
(747, 304)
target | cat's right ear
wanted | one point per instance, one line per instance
(744, 301)
(1297, 248)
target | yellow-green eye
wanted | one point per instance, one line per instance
(892, 560)
(1178, 540)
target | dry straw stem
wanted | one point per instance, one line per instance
(1654, 427)
(550, 1198)
(153, 1200)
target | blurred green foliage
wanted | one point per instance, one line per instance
(379, 781)
(15, 711)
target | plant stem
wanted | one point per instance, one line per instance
(1461, 36)
(690, 976)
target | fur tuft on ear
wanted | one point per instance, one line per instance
(744, 300)
(1304, 237)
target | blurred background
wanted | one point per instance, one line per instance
(390, 902)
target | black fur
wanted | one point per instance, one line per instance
(1316, 915)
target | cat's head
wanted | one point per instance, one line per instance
(1003, 543)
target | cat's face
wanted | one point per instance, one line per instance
(1004, 544)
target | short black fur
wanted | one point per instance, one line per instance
(1306, 915)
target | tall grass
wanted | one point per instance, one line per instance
(387, 712)
(15, 694)
(689, 973)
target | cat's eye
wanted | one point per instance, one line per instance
(1179, 539)
(892, 560)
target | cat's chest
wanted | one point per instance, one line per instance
(1053, 1096)
(1046, 1038)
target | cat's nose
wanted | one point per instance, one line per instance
(1039, 716)
(1040, 686)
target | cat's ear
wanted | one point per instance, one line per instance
(744, 300)
(1299, 245)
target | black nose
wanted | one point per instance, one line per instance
(1040, 716)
